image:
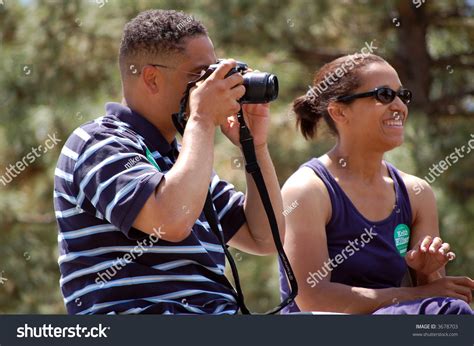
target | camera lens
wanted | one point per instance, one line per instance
(260, 87)
(272, 88)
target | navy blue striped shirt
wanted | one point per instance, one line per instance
(107, 170)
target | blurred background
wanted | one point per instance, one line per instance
(58, 67)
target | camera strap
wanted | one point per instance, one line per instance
(252, 167)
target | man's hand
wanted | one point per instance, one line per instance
(429, 255)
(215, 98)
(255, 236)
(257, 118)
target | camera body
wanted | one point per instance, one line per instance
(260, 87)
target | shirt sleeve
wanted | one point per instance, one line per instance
(114, 180)
(229, 206)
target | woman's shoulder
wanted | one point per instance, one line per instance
(415, 185)
(304, 179)
(421, 194)
(308, 190)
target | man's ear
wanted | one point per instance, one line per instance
(337, 111)
(151, 77)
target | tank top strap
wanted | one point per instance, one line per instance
(403, 199)
(336, 194)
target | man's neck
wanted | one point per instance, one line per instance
(166, 128)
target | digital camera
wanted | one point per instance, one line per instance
(260, 87)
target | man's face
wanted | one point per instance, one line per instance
(198, 55)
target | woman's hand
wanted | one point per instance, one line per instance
(450, 286)
(429, 255)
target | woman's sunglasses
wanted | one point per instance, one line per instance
(383, 94)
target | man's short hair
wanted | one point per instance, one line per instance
(156, 33)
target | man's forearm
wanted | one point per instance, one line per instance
(257, 220)
(186, 184)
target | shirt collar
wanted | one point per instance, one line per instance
(143, 127)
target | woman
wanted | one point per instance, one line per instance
(356, 214)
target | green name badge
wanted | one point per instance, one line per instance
(401, 235)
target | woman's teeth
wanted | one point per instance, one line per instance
(397, 123)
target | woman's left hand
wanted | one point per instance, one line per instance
(429, 255)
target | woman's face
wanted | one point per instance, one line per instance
(370, 121)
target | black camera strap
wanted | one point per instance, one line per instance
(252, 167)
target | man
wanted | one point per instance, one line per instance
(132, 234)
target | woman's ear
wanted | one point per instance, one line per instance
(150, 78)
(337, 111)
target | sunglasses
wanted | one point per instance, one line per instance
(383, 94)
(191, 74)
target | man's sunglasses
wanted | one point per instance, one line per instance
(383, 94)
(191, 74)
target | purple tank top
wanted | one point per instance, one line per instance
(362, 253)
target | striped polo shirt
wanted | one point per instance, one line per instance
(107, 170)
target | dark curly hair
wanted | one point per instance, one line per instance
(156, 33)
(313, 106)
